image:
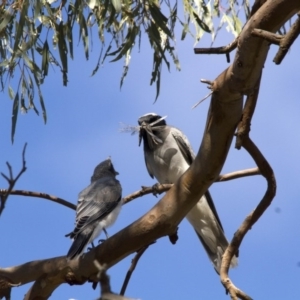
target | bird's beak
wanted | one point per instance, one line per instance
(142, 129)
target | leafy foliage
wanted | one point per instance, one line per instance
(37, 33)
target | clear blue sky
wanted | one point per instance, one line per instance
(83, 129)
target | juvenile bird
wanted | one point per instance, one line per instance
(98, 207)
(168, 154)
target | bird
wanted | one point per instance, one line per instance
(168, 154)
(98, 207)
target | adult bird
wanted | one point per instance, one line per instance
(98, 207)
(168, 154)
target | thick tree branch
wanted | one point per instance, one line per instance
(224, 114)
(11, 180)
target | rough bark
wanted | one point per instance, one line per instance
(230, 86)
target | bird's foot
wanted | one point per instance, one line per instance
(155, 189)
(90, 248)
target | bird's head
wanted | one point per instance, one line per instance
(105, 168)
(147, 123)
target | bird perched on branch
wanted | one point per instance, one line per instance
(98, 207)
(168, 154)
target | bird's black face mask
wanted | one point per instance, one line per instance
(148, 124)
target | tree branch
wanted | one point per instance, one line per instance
(244, 140)
(284, 41)
(238, 174)
(158, 189)
(218, 50)
(132, 268)
(224, 114)
(11, 180)
(250, 220)
(39, 195)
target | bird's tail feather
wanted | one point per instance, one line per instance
(216, 256)
(79, 244)
(206, 222)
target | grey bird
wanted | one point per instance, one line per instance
(168, 154)
(98, 207)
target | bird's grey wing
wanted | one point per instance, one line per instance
(96, 202)
(183, 145)
(148, 166)
(189, 156)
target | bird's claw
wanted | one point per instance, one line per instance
(155, 189)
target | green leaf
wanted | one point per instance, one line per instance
(7, 16)
(117, 5)
(32, 65)
(11, 93)
(62, 47)
(154, 38)
(126, 67)
(20, 26)
(201, 23)
(14, 116)
(45, 59)
(159, 19)
(128, 44)
(70, 30)
(84, 34)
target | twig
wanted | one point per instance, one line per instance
(39, 195)
(161, 188)
(284, 41)
(11, 180)
(238, 174)
(195, 105)
(132, 267)
(158, 189)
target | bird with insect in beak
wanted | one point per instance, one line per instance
(98, 207)
(168, 154)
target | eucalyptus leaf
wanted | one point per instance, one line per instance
(14, 116)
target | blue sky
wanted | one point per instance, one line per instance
(83, 129)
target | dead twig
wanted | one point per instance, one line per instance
(132, 267)
(11, 180)
(218, 50)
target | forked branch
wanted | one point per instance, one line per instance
(266, 170)
(284, 41)
(11, 180)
